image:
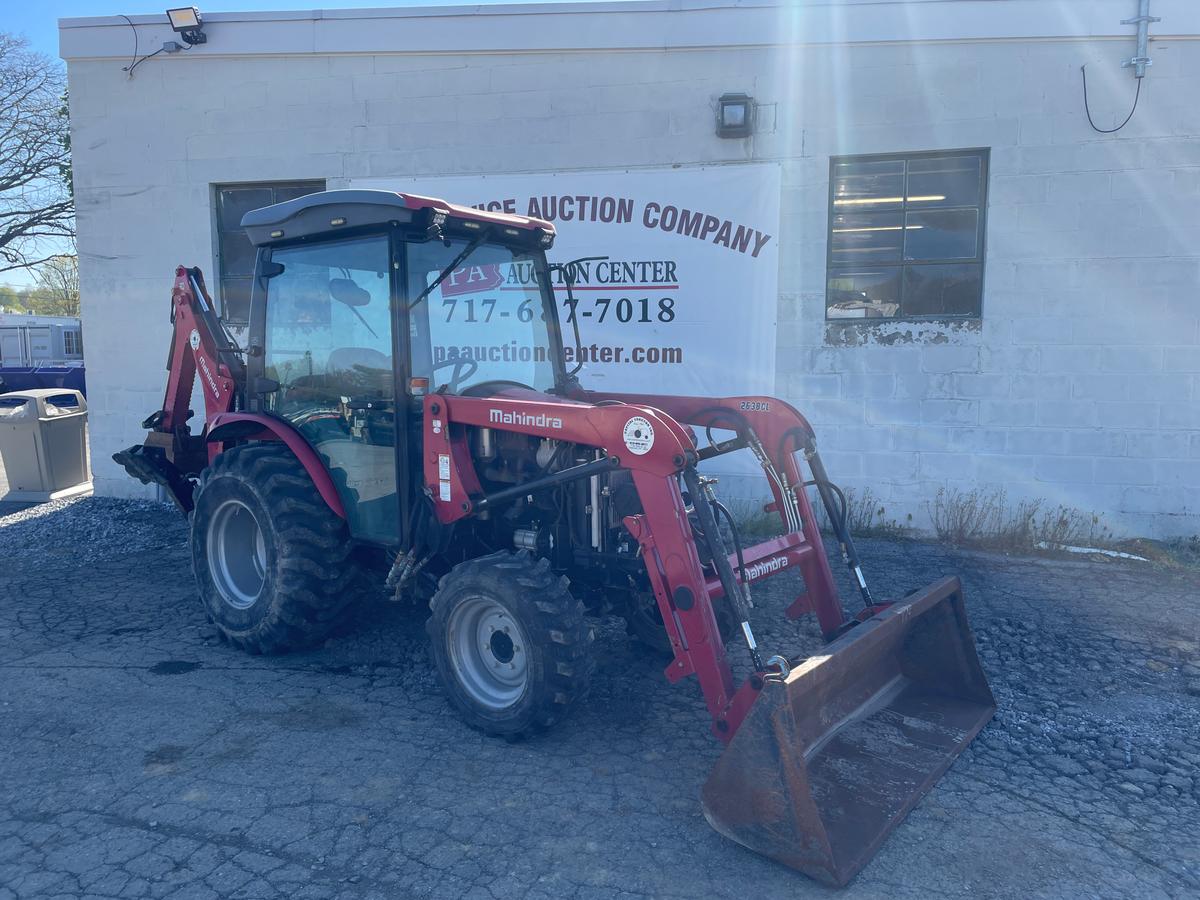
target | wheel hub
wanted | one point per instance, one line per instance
(502, 647)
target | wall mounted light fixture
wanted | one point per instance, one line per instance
(735, 116)
(187, 22)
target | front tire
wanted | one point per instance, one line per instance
(510, 643)
(643, 621)
(272, 561)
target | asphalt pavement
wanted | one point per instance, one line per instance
(142, 757)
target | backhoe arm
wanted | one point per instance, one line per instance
(171, 455)
(200, 345)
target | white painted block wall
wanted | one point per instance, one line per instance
(1079, 386)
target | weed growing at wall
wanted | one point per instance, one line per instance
(984, 518)
(867, 517)
(976, 518)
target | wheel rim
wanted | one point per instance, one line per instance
(489, 652)
(237, 554)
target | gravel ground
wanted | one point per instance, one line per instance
(141, 757)
(91, 529)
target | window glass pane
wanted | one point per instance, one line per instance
(485, 322)
(863, 293)
(865, 238)
(868, 184)
(233, 203)
(949, 290)
(292, 191)
(944, 181)
(235, 300)
(942, 234)
(906, 235)
(329, 345)
(237, 253)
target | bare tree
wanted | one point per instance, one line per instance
(37, 210)
(58, 283)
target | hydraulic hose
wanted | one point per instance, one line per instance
(737, 538)
(789, 509)
(838, 513)
(703, 497)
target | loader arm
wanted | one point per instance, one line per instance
(683, 591)
(775, 432)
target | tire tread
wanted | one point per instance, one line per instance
(554, 622)
(316, 578)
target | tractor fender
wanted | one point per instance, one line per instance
(256, 427)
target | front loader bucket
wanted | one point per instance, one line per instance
(830, 759)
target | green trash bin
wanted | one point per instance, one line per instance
(43, 444)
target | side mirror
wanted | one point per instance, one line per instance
(346, 292)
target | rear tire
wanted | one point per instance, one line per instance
(272, 561)
(510, 643)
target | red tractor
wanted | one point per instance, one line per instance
(402, 403)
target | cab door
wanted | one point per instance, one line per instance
(329, 342)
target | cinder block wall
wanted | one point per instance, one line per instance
(1079, 385)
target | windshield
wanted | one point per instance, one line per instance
(485, 321)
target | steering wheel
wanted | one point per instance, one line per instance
(463, 368)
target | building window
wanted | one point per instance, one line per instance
(72, 343)
(235, 253)
(906, 235)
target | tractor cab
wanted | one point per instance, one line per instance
(365, 301)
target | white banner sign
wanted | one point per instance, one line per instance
(686, 301)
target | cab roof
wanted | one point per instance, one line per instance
(327, 211)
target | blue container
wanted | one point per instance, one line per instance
(28, 378)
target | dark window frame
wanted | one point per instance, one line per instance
(984, 156)
(307, 185)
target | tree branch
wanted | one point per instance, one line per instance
(35, 203)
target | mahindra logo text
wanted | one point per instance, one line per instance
(212, 382)
(541, 420)
(766, 567)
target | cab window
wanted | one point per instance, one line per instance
(484, 322)
(328, 344)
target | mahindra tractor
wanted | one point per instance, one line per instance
(403, 416)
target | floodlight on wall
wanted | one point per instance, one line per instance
(187, 22)
(735, 116)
